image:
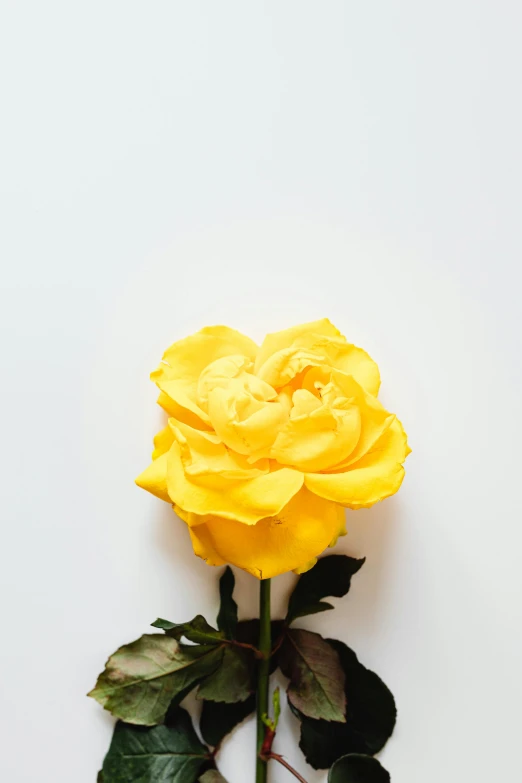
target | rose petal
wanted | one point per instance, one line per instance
(162, 442)
(284, 355)
(278, 341)
(182, 364)
(374, 477)
(206, 459)
(317, 439)
(181, 414)
(290, 540)
(247, 501)
(250, 433)
(154, 478)
(375, 419)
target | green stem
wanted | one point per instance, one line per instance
(265, 644)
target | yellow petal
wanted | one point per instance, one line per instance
(184, 515)
(181, 414)
(340, 533)
(290, 540)
(374, 418)
(284, 355)
(245, 411)
(247, 501)
(220, 373)
(244, 423)
(357, 363)
(278, 341)
(154, 478)
(313, 440)
(302, 569)
(162, 442)
(182, 364)
(209, 461)
(203, 545)
(374, 477)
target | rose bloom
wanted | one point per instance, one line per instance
(265, 446)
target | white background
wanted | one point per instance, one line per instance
(167, 165)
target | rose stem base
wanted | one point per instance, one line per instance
(265, 643)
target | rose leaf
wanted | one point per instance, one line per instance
(141, 679)
(227, 616)
(316, 676)
(331, 575)
(356, 768)
(219, 719)
(212, 776)
(232, 679)
(370, 716)
(196, 630)
(164, 754)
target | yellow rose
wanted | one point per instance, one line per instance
(265, 446)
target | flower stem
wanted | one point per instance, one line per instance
(285, 763)
(265, 643)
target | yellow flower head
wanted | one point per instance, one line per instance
(265, 446)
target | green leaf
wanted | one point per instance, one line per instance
(227, 617)
(161, 754)
(370, 716)
(218, 719)
(232, 680)
(316, 676)
(371, 706)
(330, 576)
(142, 678)
(212, 776)
(196, 630)
(99, 777)
(356, 768)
